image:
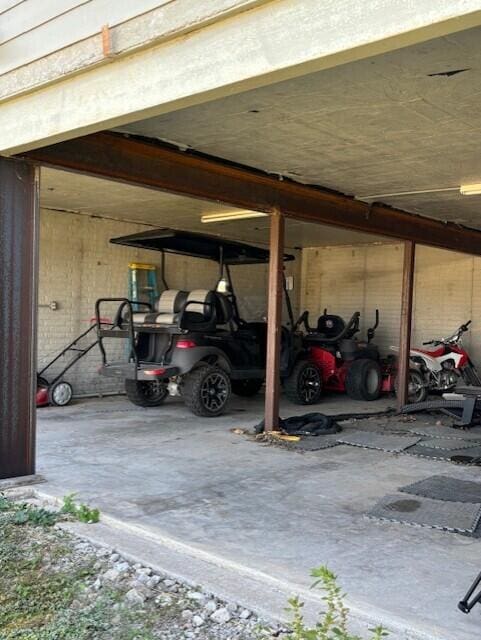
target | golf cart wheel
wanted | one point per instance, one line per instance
(206, 391)
(364, 380)
(246, 388)
(60, 394)
(146, 393)
(417, 390)
(304, 385)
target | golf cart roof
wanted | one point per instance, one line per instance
(198, 245)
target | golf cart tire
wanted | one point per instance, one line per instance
(359, 385)
(246, 388)
(193, 390)
(293, 383)
(415, 377)
(146, 393)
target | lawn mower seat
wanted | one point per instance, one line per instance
(330, 326)
(167, 309)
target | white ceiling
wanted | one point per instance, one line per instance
(63, 191)
(381, 125)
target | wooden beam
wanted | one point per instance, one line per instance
(18, 312)
(274, 322)
(406, 323)
(156, 166)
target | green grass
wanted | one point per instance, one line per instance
(43, 587)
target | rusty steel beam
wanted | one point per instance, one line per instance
(18, 309)
(406, 323)
(274, 321)
(156, 166)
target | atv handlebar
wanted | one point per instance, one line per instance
(453, 338)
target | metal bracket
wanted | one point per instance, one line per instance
(53, 305)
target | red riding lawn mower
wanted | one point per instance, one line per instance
(337, 361)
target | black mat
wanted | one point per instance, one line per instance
(443, 454)
(446, 488)
(457, 517)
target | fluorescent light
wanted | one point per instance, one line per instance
(470, 189)
(377, 196)
(227, 216)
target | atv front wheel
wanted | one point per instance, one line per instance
(304, 385)
(364, 380)
(246, 388)
(206, 391)
(417, 390)
(145, 393)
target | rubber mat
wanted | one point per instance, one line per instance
(443, 454)
(446, 488)
(380, 441)
(445, 432)
(459, 517)
(448, 443)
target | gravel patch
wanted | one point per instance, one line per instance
(83, 592)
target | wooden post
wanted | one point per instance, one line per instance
(406, 322)
(274, 321)
(18, 313)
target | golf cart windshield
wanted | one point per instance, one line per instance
(198, 245)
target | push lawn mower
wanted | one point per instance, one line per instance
(58, 392)
(337, 361)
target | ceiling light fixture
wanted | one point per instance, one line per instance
(470, 189)
(396, 194)
(227, 216)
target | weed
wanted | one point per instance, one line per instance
(80, 512)
(334, 621)
(32, 515)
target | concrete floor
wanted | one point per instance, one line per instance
(274, 511)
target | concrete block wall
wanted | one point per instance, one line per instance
(365, 277)
(78, 265)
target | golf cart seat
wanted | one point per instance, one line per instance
(167, 308)
(224, 311)
(194, 311)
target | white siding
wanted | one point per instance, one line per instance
(33, 29)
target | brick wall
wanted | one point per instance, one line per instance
(78, 265)
(365, 277)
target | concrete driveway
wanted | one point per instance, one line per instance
(272, 511)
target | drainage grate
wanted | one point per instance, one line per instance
(458, 517)
(446, 488)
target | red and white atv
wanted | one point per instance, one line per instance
(440, 369)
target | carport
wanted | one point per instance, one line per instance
(376, 147)
(147, 163)
(369, 128)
